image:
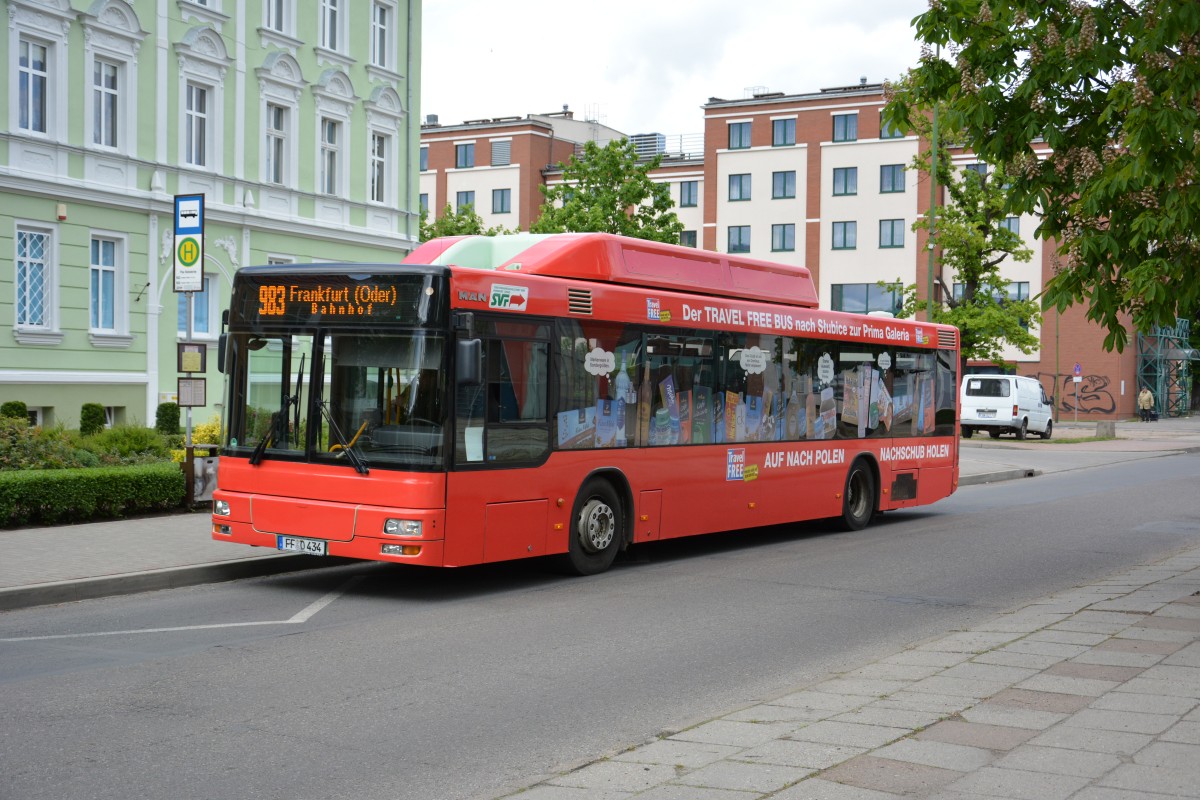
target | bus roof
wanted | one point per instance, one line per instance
(620, 259)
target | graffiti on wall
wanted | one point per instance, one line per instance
(1093, 394)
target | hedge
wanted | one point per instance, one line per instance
(47, 496)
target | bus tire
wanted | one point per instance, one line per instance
(858, 499)
(597, 529)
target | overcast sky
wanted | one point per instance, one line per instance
(644, 66)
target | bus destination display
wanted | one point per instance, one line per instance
(363, 299)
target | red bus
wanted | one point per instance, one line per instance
(494, 398)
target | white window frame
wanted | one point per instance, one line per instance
(203, 62)
(383, 35)
(276, 124)
(118, 335)
(113, 35)
(380, 166)
(331, 156)
(212, 306)
(335, 98)
(385, 117)
(332, 25)
(280, 83)
(47, 25)
(47, 331)
(107, 130)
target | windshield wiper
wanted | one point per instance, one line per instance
(280, 418)
(355, 459)
(261, 447)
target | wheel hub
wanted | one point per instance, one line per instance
(597, 526)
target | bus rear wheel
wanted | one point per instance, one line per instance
(858, 499)
(597, 529)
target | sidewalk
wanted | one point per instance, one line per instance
(97, 559)
(1091, 694)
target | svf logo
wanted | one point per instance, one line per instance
(512, 297)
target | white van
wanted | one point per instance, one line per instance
(1005, 404)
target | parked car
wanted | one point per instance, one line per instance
(1005, 404)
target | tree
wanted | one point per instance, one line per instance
(975, 242)
(1113, 88)
(607, 190)
(463, 222)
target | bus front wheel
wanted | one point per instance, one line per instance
(858, 499)
(597, 529)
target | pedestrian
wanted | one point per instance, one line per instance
(1146, 402)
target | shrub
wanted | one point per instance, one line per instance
(166, 418)
(14, 408)
(23, 447)
(74, 495)
(91, 419)
(208, 432)
(128, 443)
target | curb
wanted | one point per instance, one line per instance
(994, 477)
(43, 594)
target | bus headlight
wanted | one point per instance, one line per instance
(402, 527)
(221, 508)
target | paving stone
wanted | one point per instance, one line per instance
(737, 734)
(1171, 623)
(1113, 617)
(616, 776)
(887, 775)
(671, 752)
(1115, 742)
(1128, 721)
(813, 755)
(1007, 658)
(968, 642)
(1129, 604)
(1173, 672)
(822, 701)
(1140, 646)
(1156, 635)
(890, 717)
(1079, 626)
(1062, 685)
(861, 687)
(931, 658)
(1136, 777)
(1104, 672)
(1116, 658)
(962, 687)
(547, 791)
(973, 734)
(1145, 704)
(821, 789)
(1180, 610)
(923, 701)
(990, 713)
(1021, 784)
(1034, 758)
(1171, 755)
(936, 754)
(972, 670)
(894, 672)
(1067, 637)
(1144, 685)
(743, 776)
(670, 792)
(768, 712)
(1041, 701)
(1107, 793)
(848, 733)
(1044, 648)
(1185, 732)
(1188, 656)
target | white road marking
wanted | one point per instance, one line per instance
(304, 615)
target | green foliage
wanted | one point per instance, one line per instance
(974, 245)
(1114, 90)
(23, 447)
(207, 432)
(51, 496)
(14, 408)
(166, 418)
(91, 419)
(124, 444)
(609, 191)
(463, 222)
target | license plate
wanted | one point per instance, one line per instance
(294, 544)
(987, 414)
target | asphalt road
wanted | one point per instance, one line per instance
(375, 681)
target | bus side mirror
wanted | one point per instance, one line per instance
(468, 362)
(222, 343)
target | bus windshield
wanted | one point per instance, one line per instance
(361, 399)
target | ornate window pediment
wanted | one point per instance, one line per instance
(334, 93)
(113, 26)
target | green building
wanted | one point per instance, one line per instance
(294, 118)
